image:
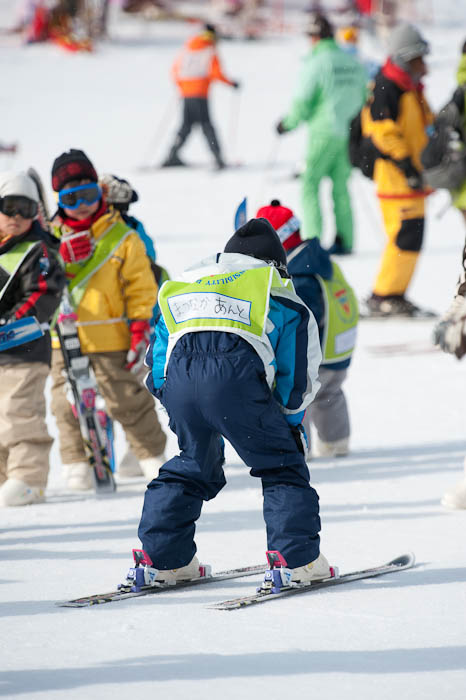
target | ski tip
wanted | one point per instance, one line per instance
(404, 560)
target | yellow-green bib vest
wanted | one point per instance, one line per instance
(237, 302)
(12, 260)
(103, 251)
(341, 317)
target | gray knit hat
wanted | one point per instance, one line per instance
(406, 43)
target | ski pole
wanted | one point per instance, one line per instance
(443, 210)
(160, 129)
(234, 124)
(268, 167)
(368, 207)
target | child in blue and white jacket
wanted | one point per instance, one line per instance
(236, 355)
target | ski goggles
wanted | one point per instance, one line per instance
(73, 197)
(13, 204)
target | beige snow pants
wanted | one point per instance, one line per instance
(126, 399)
(24, 440)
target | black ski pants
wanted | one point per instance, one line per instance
(196, 111)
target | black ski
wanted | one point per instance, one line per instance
(112, 596)
(84, 389)
(80, 377)
(405, 561)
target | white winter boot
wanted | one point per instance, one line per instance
(184, 573)
(456, 497)
(339, 448)
(14, 492)
(78, 476)
(129, 465)
(319, 568)
(151, 466)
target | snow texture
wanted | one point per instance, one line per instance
(399, 636)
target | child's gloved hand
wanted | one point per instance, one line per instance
(140, 334)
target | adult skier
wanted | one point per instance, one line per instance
(321, 285)
(31, 281)
(236, 355)
(331, 91)
(395, 120)
(195, 68)
(114, 291)
(450, 332)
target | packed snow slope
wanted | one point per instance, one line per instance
(399, 636)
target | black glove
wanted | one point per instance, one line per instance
(280, 128)
(300, 438)
(412, 174)
(236, 85)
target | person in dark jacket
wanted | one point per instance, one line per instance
(320, 283)
(31, 282)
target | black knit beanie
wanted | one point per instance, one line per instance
(259, 239)
(72, 165)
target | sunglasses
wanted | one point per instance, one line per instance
(73, 197)
(13, 204)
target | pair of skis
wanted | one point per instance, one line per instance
(95, 425)
(262, 595)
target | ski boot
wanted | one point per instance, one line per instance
(145, 575)
(279, 576)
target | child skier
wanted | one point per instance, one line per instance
(119, 193)
(236, 355)
(113, 289)
(31, 281)
(320, 283)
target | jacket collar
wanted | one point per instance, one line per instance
(100, 225)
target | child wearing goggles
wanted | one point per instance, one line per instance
(31, 281)
(72, 197)
(12, 205)
(114, 291)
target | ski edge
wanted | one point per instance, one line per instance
(400, 563)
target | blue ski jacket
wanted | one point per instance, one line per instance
(292, 333)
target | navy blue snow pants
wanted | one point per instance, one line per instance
(216, 386)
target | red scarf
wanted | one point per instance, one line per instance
(84, 224)
(401, 77)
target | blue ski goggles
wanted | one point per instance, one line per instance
(73, 197)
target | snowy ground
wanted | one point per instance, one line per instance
(402, 635)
